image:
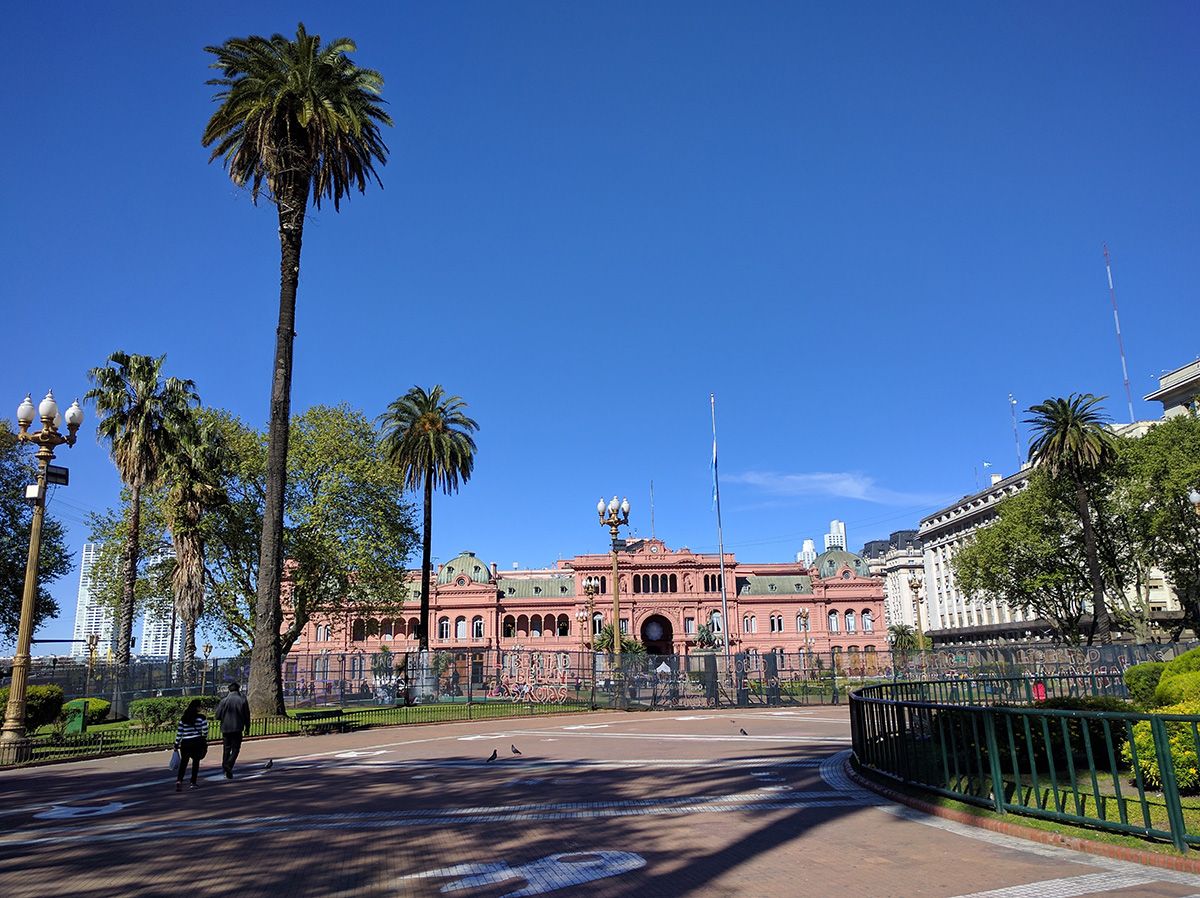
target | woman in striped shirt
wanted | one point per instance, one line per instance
(191, 741)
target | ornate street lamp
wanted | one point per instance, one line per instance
(614, 516)
(207, 650)
(14, 743)
(1194, 498)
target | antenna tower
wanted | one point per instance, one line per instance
(1012, 404)
(1112, 292)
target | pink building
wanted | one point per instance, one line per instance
(666, 596)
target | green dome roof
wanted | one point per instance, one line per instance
(464, 564)
(831, 561)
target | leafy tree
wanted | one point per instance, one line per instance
(140, 417)
(1160, 470)
(295, 118)
(1072, 444)
(109, 530)
(1031, 557)
(17, 470)
(629, 645)
(427, 436)
(347, 538)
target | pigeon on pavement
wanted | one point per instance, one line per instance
(269, 764)
(515, 750)
(493, 757)
(743, 732)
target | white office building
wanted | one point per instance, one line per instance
(158, 628)
(90, 615)
(808, 554)
(836, 537)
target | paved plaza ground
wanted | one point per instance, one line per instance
(639, 805)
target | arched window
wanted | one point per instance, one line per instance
(522, 625)
(715, 622)
(833, 621)
(603, 585)
(321, 668)
(372, 628)
(358, 632)
(510, 626)
(460, 628)
(564, 625)
(637, 582)
(868, 621)
(706, 589)
(414, 627)
(597, 623)
(850, 628)
(535, 625)
(477, 627)
(674, 583)
(358, 667)
(443, 628)
(385, 628)
(749, 624)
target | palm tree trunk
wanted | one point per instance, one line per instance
(125, 633)
(1101, 629)
(265, 692)
(426, 545)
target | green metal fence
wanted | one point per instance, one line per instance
(999, 743)
(126, 738)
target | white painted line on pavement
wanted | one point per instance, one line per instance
(1070, 886)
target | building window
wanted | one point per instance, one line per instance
(443, 628)
(510, 626)
(833, 621)
(868, 622)
(535, 625)
(358, 632)
(674, 582)
(564, 625)
(624, 626)
(712, 582)
(477, 628)
(850, 628)
(715, 622)
(637, 582)
(597, 623)
(689, 625)
(460, 628)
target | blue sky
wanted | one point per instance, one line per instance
(861, 225)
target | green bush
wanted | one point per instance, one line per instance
(43, 704)
(1182, 745)
(1084, 703)
(1188, 662)
(97, 709)
(1142, 680)
(165, 712)
(1184, 687)
(1049, 743)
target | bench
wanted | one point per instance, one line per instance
(313, 723)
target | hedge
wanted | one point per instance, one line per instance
(166, 711)
(43, 705)
(1183, 750)
(97, 709)
(1176, 690)
(1142, 679)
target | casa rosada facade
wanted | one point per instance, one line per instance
(666, 595)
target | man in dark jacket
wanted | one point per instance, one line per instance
(234, 714)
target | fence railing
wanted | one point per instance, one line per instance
(990, 742)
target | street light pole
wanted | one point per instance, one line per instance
(614, 516)
(15, 745)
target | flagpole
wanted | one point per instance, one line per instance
(712, 401)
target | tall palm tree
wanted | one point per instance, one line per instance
(1071, 441)
(141, 415)
(904, 638)
(194, 486)
(427, 435)
(296, 119)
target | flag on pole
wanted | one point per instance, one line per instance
(987, 464)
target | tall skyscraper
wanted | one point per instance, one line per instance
(90, 615)
(836, 537)
(157, 627)
(808, 554)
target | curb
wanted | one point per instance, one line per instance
(1182, 863)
